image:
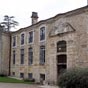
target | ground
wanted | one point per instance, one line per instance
(15, 85)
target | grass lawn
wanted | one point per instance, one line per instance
(12, 80)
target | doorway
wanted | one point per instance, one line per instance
(61, 64)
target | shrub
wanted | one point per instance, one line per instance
(29, 80)
(3, 75)
(74, 78)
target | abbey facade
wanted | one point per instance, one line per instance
(44, 49)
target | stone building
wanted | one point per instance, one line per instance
(44, 49)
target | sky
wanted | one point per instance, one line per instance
(22, 9)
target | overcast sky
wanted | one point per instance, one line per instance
(22, 9)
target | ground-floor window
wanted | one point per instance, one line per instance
(21, 75)
(30, 75)
(13, 73)
(42, 76)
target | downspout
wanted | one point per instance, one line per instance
(10, 56)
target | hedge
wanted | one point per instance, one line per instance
(74, 78)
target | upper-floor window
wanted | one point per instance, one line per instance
(31, 37)
(14, 56)
(14, 41)
(42, 54)
(22, 39)
(61, 46)
(22, 56)
(42, 33)
(30, 56)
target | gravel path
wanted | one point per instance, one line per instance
(15, 85)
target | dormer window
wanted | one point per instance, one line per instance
(14, 41)
(31, 37)
(22, 39)
(42, 33)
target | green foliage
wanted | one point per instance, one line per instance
(74, 78)
(3, 75)
(29, 80)
(8, 23)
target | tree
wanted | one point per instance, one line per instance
(9, 22)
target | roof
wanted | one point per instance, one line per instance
(66, 14)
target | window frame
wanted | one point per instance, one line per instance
(40, 32)
(21, 75)
(62, 45)
(30, 61)
(15, 41)
(14, 57)
(22, 56)
(30, 75)
(21, 39)
(32, 38)
(42, 55)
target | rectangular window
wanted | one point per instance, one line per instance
(42, 76)
(42, 33)
(22, 56)
(42, 54)
(30, 56)
(14, 56)
(22, 39)
(31, 37)
(14, 41)
(30, 76)
(21, 75)
(13, 73)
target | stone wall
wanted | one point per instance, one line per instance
(77, 46)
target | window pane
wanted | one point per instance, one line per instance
(61, 46)
(14, 41)
(21, 75)
(30, 76)
(42, 33)
(42, 76)
(22, 39)
(42, 54)
(14, 57)
(30, 56)
(31, 37)
(22, 56)
(13, 73)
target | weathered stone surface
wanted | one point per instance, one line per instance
(75, 35)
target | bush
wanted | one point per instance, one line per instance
(29, 80)
(74, 78)
(3, 75)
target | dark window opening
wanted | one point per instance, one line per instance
(14, 57)
(22, 39)
(61, 63)
(21, 75)
(42, 33)
(13, 73)
(14, 41)
(42, 54)
(31, 37)
(42, 77)
(22, 56)
(30, 56)
(61, 46)
(30, 76)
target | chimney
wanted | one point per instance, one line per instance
(34, 17)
